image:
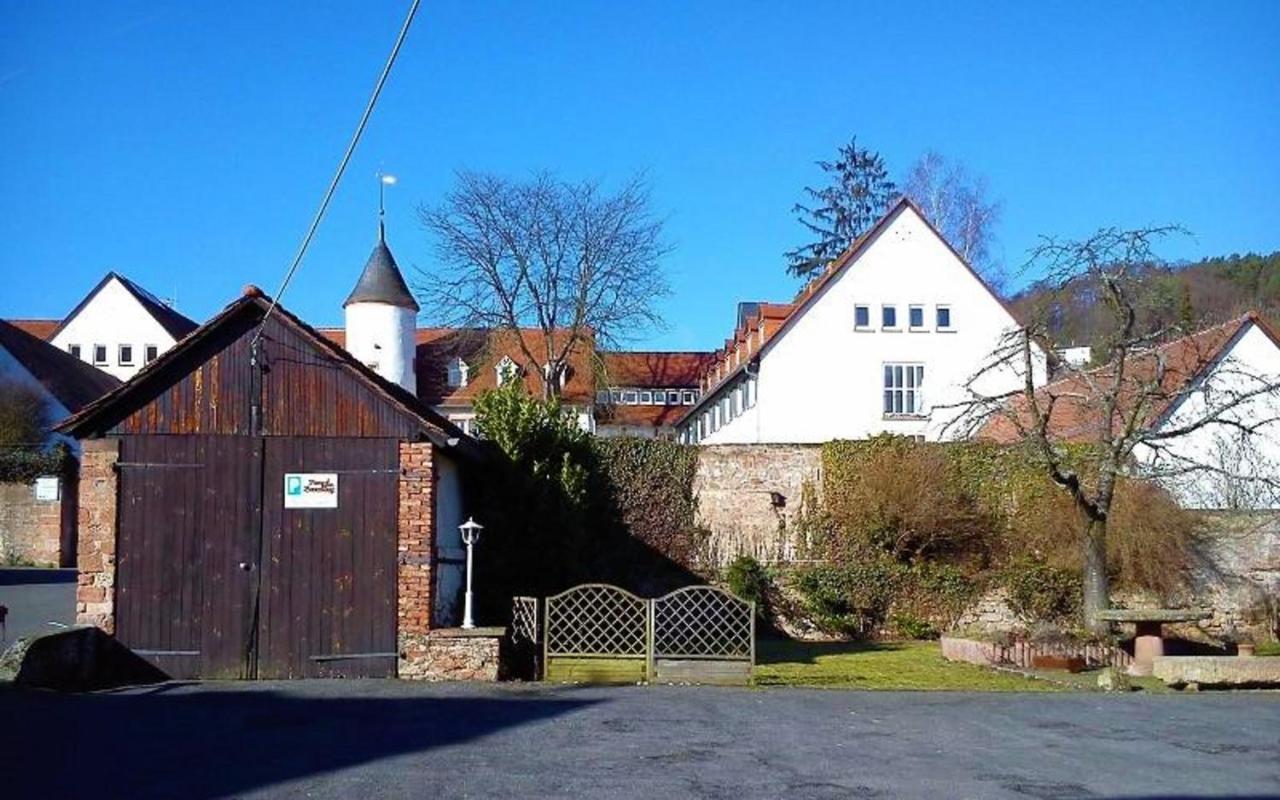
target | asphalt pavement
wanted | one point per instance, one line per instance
(39, 600)
(376, 739)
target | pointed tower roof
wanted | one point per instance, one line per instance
(381, 281)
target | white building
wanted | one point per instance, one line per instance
(118, 327)
(886, 340)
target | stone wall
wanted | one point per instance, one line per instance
(454, 654)
(415, 545)
(96, 551)
(735, 484)
(1237, 570)
(30, 529)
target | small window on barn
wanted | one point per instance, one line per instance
(74, 349)
(125, 353)
(458, 376)
(100, 354)
(150, 353)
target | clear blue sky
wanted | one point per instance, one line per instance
(188, 146)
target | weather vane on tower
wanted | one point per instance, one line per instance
(384, 180)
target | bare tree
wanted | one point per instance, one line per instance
(956, 202)
(24, 416)
(1157, 409)
(568, 260)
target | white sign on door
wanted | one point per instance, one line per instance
(310, 490)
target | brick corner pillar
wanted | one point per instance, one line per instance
(96, 535)
(415, 546)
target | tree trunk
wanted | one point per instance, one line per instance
(1097, 594)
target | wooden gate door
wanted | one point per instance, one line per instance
(327, 596)
(189, 508)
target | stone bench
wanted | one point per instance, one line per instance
(1148, 644)
(1217, 671)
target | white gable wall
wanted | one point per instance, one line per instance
(821, 379)
(114, 317)
(1251, 365)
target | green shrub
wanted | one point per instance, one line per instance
(852, 598)
(748, 579)
(1039, 591)
(912, 627)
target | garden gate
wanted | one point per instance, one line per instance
(598, 633)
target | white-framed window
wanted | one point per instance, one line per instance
(74, 349)
(150, 353)
(505, 370)
(660, 397)
(602, 397)
(630, 396)
(862, 317)
(690, 397)
(100, 354)
(915, 317)
(889, 317)
(904, 390)
(943, 318)
(752, 389)
(124, 355)
(735, 401)
(458, 373)
(646, 398)
(615, 396)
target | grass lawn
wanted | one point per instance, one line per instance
(880, 665)
(1269, 649)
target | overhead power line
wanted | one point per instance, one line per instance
(342, 168)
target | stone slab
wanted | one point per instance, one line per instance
(1217, 671)
(1154, 614)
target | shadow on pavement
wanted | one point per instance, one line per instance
(21, 576)
(216, 741)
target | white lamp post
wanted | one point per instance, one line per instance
(470, 536)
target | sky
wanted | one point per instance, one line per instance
(188, 145)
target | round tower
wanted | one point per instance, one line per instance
(381, 318)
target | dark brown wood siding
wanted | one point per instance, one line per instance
(306, 391)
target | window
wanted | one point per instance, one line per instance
(646, 398)
(660, 397)
(125, 353)
(944, 318)
(690, 397)
(862, 316)
(602, 397)
(903, 389)
(630, 396)
(150, 353)
(458, 376)
(74, 349)
(915, 317)
(615, 396)
(888, 316)
(735, 402)
(752, 390)
(100, 354)
(506, 370)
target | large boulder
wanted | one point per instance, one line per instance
(80, 659)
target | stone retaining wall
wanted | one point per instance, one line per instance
(30, 529)
(454, 654)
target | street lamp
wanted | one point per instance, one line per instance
(470, 536)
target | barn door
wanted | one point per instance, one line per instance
(327, 591)
(189, 508)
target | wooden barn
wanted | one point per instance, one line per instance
(257, 503)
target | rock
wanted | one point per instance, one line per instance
(1112, 679)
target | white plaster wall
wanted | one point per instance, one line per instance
(823, 380)
(381, 336)
(450, 553)
(112, 318)
(1250, 366)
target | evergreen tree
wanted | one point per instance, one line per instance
(860, 193)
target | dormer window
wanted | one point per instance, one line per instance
(564, 374)
(506, 370)
(458, 370)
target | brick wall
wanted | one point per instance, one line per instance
(30, 529)
(416, 543)
(733, 484)
(96, 552)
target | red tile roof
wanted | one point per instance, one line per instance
(1075, 405)
(655, 369)
(639, 416)
(39, 328)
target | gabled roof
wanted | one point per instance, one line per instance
(174, 323)
(146, 383)
(656, 369)
(381, 281)
(71, 381)
(40, 328)
(1075, 414)
(810, 292)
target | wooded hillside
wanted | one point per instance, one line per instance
(1196, 295)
